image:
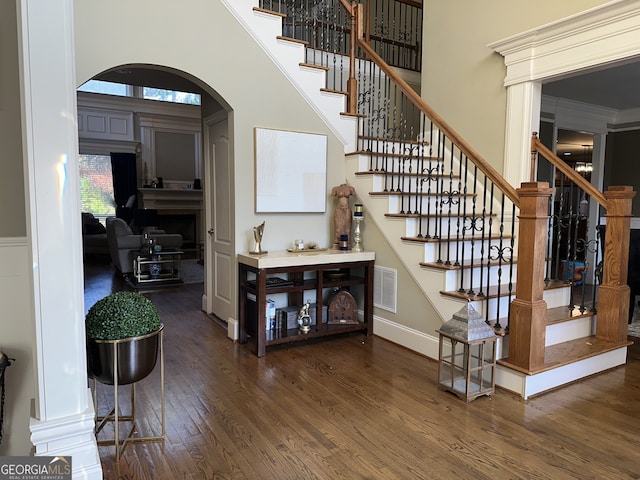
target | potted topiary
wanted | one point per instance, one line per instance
(124, 325)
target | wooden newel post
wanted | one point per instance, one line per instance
(528, 320)
(356, 32)
(613, 296)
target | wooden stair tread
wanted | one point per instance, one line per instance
(405, 174)
(347, 114)
(270, 12)
(399, 155)
(396, 155)
(313, 65)
(564, 314)
(426, 194)
(493, 291)
(430, 215)
(470, 264)
(395, 140)
(452, 239)
(331, 90)
(293, 40)
(569, 352)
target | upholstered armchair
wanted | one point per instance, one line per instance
(122, 240)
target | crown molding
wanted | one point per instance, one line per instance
(604, 34)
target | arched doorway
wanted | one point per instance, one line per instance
(179, 150)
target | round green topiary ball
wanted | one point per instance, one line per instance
(121, 315)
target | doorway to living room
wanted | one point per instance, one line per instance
(151, 121)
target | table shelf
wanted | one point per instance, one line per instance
(348, 270)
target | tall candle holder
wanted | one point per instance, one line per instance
(357, 237)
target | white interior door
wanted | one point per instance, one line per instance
(218, 224)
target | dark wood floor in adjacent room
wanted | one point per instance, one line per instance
(355, 407)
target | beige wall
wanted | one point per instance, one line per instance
(462, 79)
(413, 310)
(216, 52)
(16, 320)
(12, 200)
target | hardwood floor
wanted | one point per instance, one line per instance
(355, 407)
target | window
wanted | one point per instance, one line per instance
(96, 186)
(149, 93)
(108, 88)
(170, 96)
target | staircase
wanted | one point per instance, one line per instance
(448, 223)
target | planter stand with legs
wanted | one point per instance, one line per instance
(115, 416)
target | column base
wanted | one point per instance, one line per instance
(70, 436)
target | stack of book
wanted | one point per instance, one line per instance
(272, 282)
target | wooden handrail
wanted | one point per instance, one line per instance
(491, 173)
(347, 5)
(575, 177)
(411, 3)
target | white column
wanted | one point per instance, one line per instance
(523, 118)
(63, 416)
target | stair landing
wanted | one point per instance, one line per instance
(564, 363)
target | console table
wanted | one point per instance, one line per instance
(319, 273)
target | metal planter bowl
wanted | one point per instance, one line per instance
(136, 358)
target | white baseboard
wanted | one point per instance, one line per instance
(419, 342)
(233, 329)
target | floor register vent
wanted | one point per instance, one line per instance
(385, 288)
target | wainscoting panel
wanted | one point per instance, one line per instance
(16, 341)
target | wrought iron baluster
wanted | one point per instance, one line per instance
(452, 199)
(487, 219)
(461, 202)
(463, 221)
(511, 261)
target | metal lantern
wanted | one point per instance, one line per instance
(467, 356)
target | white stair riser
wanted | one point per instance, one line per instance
(473, 276)
(572, 329)
(438, 205)
(452, 251)
(557, 297)
(494, 307)
(411, 149)
(553, 298)
(457, 227)
(380, 162)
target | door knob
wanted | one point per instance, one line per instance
(210, 231)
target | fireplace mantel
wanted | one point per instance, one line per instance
(171, 202)
(171, 199)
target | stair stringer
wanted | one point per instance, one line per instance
(288, 56)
